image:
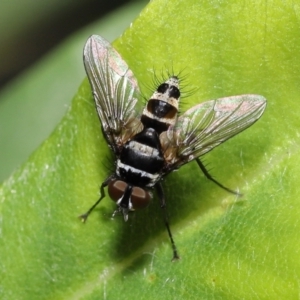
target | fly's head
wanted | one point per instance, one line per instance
(128, 197)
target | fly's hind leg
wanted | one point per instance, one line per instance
(208, 176)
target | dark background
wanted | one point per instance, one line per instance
(21, 42)
(41, 67)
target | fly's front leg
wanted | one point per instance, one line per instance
(84, 216)
(161, 196)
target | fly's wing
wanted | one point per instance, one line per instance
(115, 91)
(207, 125)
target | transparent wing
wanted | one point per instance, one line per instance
(115, 91)
(205, 126)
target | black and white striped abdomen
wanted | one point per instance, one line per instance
(162, 108)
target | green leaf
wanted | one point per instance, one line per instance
(231, 248)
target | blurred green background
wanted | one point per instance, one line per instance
(41, 65)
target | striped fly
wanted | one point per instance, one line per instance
(150, 142)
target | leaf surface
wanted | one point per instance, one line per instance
(231, 248)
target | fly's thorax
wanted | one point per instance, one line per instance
(141, 159)
(162, 108)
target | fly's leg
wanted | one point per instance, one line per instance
(84, 216)
(208, 176)
(161, 197)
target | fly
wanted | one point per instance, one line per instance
(150, 142)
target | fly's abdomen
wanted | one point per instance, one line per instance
(162, 108)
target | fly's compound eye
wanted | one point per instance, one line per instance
(140, 198)
(116, 189)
